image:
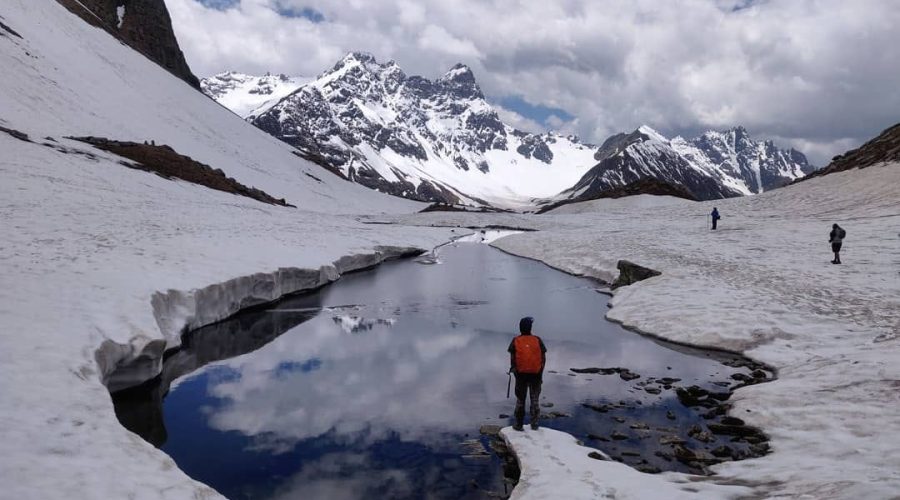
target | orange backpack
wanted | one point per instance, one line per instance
(528, 354)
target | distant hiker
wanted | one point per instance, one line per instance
(715, 217)
(527, 357)
(836, 238)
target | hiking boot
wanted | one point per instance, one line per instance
(534, 426)
(518, 427)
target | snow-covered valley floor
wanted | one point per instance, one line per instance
(89, 244)
(762, 285)
(93, 252)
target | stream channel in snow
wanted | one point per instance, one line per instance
(376, 386)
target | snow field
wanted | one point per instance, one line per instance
(554, 465)
(89, 243)
(762, 284)
(100, 255)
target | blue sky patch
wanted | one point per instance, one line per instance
(286, 367)
(307, 13)
(536, 112)
(219, 4)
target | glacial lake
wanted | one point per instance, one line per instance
(376, 386)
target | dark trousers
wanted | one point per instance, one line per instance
(714, 222)
(836, 248)
(528, 383)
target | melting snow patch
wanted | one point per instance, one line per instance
(554, 465)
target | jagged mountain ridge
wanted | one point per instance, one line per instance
(442, 141)
(249, 95)
(885, 148)
(713, 165)
(428, 140)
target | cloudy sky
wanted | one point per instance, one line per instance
(819, 75)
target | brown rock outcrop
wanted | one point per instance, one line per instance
(145, 26)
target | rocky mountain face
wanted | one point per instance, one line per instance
(144, 25)
(436, 141)
(441, 141)
(714, 165)
(249, 95)
(883, 149)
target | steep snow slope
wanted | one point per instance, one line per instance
(429, 140)
(714, 165)
(94, 253)
(882, 149)
(248, 95)
(65, 78)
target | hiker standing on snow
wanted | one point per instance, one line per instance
(836, 238)
(715, 217)
(527, 357)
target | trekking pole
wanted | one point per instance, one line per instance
(508, 383)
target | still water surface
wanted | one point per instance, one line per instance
(376, 386)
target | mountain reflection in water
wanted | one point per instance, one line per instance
(368, 387)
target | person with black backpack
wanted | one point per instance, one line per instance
(715, 217)
(836, 238)
(527, 358)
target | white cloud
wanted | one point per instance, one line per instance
(436, 39)
(818, 72)
(518, 121)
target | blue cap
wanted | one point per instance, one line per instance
(525, 324)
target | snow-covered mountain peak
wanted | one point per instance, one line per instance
(357, 57)
(460, 73)
(249, 95)
(715, 164)
(460, 81)
(651, 133)
(440, 140)
(433, 140)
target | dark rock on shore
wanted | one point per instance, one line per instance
(624, 373)
(733, 430)
(701, 435)
(722, 451)
(630, 273)
(694, 396)
(732, 421)
(489, 430)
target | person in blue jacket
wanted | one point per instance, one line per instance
(715, 217)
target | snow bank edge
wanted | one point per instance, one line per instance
(177, 311)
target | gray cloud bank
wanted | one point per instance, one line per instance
(819, 75)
